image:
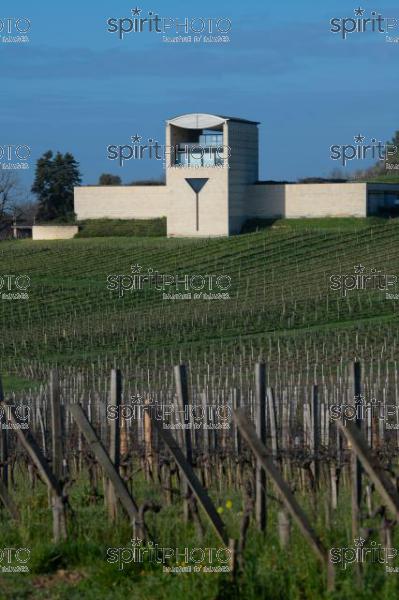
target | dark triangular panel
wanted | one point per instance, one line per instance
(196, 183)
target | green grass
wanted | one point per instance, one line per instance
(78, 568)
(322, 224)
(121, 227)
(12, 383)
(388, 178)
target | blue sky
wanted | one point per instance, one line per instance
(75, 87)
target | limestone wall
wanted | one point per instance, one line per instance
(310, 200)
(54, 232)
(121, 202)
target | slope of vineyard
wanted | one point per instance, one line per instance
(281, 304)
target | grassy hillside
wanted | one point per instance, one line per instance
(281, 305)
(122, 227)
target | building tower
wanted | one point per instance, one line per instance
(211, 163)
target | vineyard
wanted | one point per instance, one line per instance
(256, 466)
(281, 306)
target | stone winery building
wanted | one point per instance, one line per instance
(212, 185)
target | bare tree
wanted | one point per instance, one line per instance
(10, 194)
(338, 174)
(26, 211)
(14, 205)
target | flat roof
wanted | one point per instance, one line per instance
(240, 120)
(204, 120)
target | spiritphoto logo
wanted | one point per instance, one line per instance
(14, 157)
(14, 287)
(186, 30)
(14, 30)
(21, 414)
(192, 416)
(14, 560)
(362, 409)
(174, 286)
(185, 155)
(361, 280)
(174, 560)
(363, 23)
(360, 553)
(361, 150)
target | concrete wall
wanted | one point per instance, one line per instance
(176, 201)
(54, 232)
(243, 140)
(310, 200)
(220, 212)
(266, 201)
(213, 198)
(175, 136)
(326, 200)
(213, 203)
(121, 202)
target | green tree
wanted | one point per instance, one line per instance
(393, 149)
(109, 179)
(55, 179)
(379, 169)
